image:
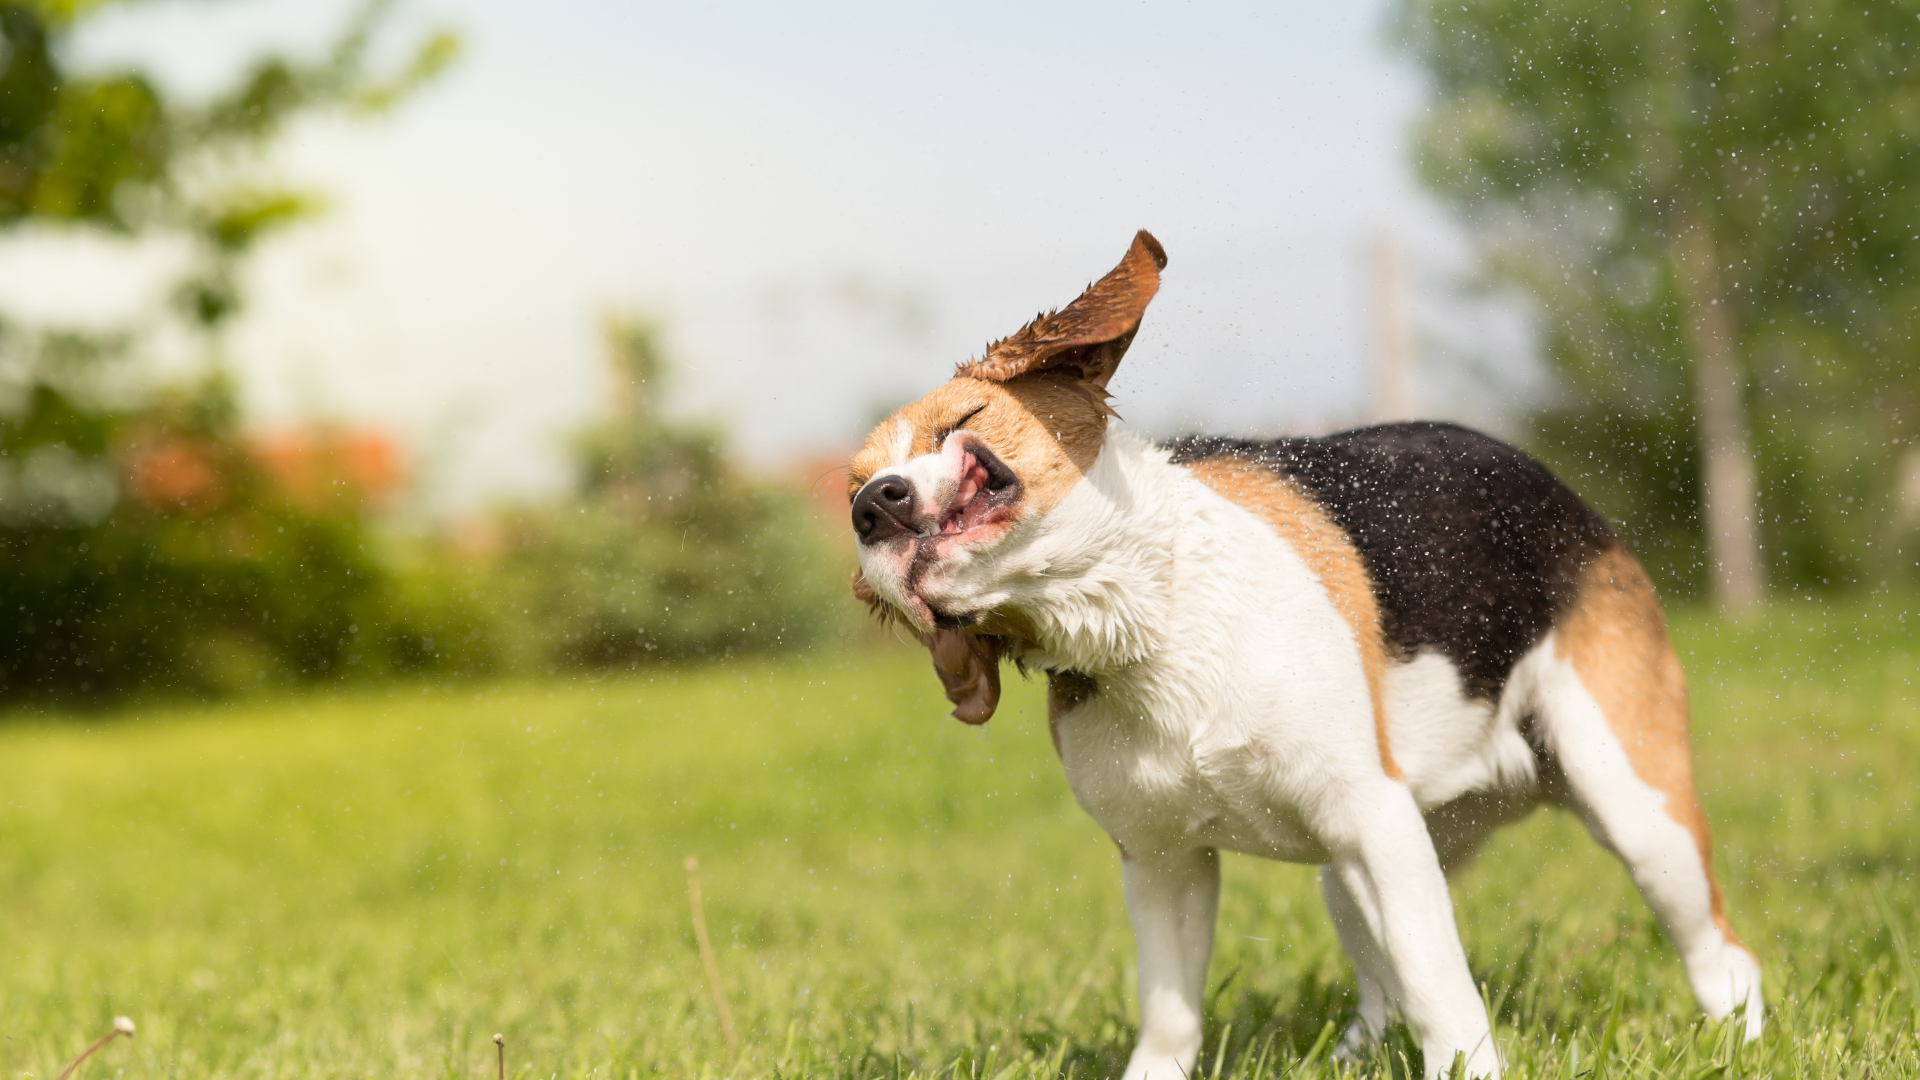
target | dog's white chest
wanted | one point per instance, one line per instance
(1153, 791)
(1249, 715)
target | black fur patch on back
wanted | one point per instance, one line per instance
(1474, 548)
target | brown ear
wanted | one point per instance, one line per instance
(969, 670)
(968, 664)
(1086, 339)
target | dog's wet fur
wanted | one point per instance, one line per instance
(1364, 650)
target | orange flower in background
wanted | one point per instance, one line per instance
(333, 468)
(167, 472)
(319, 469)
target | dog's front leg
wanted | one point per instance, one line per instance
(1393, 876)
(1172, 898)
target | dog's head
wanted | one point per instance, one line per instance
(949, 487)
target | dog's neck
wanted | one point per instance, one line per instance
(1094, 579)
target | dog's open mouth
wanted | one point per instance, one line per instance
(981, 509)
(985, 496)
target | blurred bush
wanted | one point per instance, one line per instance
(150, 543)
(665, 551)
(151, 547)
(156, 547)
(145, 542)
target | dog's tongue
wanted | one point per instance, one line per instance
(969, 668)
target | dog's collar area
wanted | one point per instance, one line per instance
(1070, 689)
(944, 621)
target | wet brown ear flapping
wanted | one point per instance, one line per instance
(1086, 339)
(969, 670)
(968, 664)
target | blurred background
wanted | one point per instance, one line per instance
(422, 524)
(363, 339)
(344, 339)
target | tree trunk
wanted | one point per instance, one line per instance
(1393, 395)
(1727, 508)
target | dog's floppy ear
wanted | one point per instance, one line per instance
(1086, 339)
(969, 670)
(968, 664)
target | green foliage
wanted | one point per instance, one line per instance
(144, 545)
(1575, 135)
(149, 550)
(109, 151)
(667, 551)
(1642, 469)
(371, 883)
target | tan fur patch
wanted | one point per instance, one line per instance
(1328, 553)
(1044, 428)
(1616, 639)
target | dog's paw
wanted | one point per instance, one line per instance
(1158, 1067)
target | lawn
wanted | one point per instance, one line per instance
(370, 883)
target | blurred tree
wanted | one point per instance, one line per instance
(109, 150)
(667, 551)
(144, 543)
(1712, 201)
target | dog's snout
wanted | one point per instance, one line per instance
(882, 509)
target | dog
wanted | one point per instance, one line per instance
(1365, 651)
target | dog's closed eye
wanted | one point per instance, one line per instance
(940, 437)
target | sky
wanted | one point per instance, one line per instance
(825, 206)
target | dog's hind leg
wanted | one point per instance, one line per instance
(1172, 899)
(1388, 868)
(1370, 969)
(1613, 708)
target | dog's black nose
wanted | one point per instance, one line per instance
(882, 509)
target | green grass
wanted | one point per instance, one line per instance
(371, 884)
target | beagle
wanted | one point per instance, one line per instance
(1366, 651)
